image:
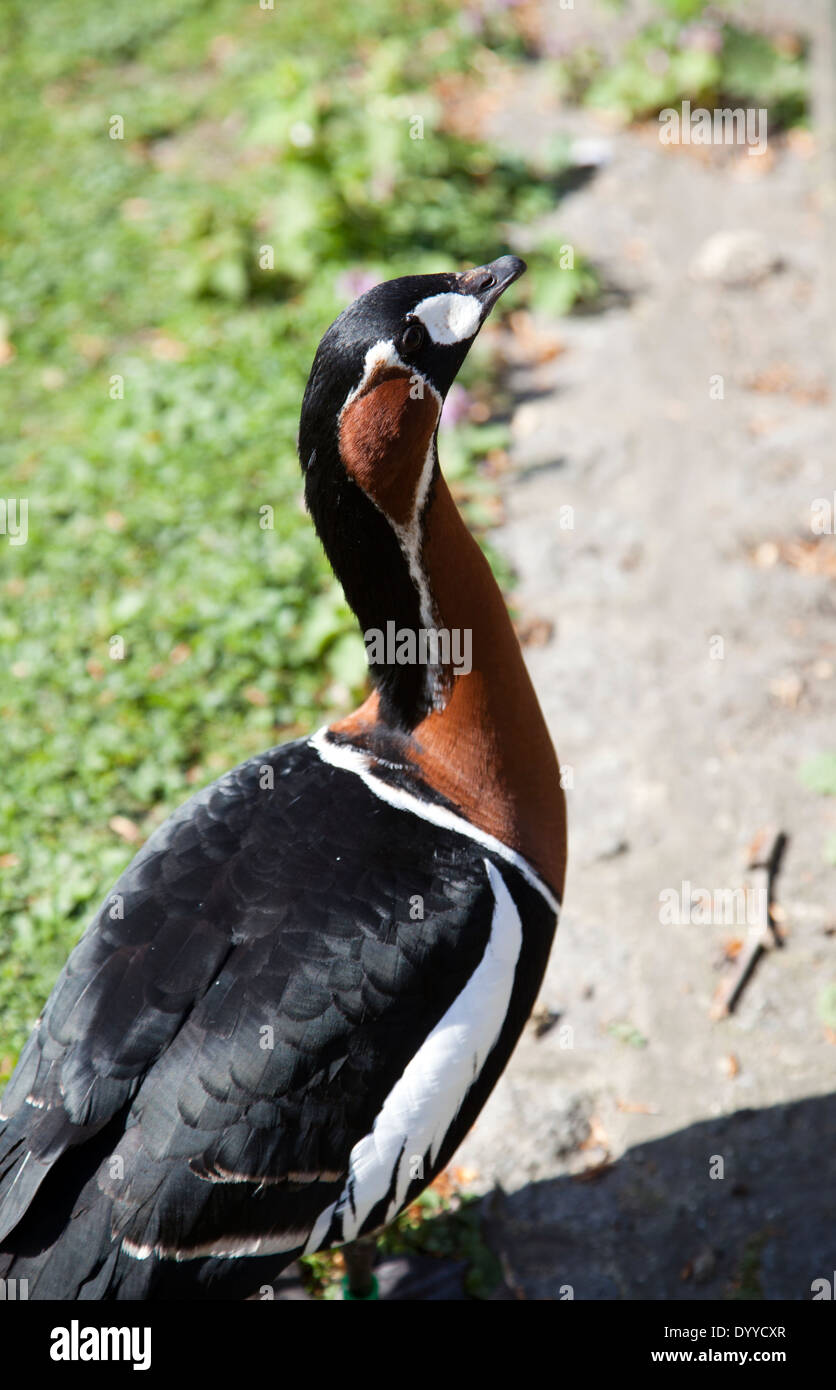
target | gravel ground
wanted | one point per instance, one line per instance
(666, 534)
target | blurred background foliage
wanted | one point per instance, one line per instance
(691, 50)
(162, 298)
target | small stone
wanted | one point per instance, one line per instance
(590, 152)
(703, 1265)
(612, 848)
(766, 555)
(734, 258)
(787, 689)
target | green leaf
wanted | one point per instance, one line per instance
(628, 1033)
(819, 774)
(826, 1005)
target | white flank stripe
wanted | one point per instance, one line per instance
(230, 1247)
(353, 760)
(449, 318)
(419, 1110)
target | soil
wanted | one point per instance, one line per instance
(666, 465)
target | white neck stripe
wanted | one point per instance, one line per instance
(354, 760)
(409, 534)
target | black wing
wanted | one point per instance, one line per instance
(229, 1026)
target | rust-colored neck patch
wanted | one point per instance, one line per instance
(488, 751)
(385, 434)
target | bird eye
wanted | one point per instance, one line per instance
(413, 336)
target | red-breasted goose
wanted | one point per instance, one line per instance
(321, 963)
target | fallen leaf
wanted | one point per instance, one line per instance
(782, 379)
(811, 555)
(760, 426)
(498, 461)
(535, 345)
(597, 1137)
(756, 846)
(534, 632)
(718, 1008)
(787, 689)
(126, 829)
(542, 1019)
(766, 554)
(167, 349)
(444, 1184)
(92, 348)
(778, 377)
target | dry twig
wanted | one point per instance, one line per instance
(762, 938)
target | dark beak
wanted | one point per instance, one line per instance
(487, 282)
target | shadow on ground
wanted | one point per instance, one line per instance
(656, 1224)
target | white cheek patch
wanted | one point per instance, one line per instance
(449, 318)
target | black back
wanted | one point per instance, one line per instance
(237, 918)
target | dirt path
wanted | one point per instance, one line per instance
(692, 670)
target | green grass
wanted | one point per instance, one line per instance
(152, 364)
(746, 1285)
(819, 775)
(710, 54)
(444, 1222)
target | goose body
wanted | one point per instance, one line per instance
(298, 996)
